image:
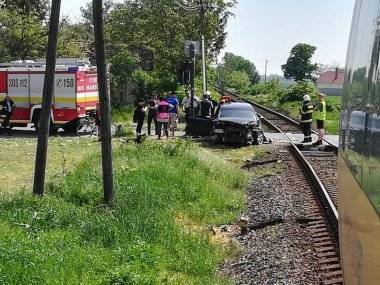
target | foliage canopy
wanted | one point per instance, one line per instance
(298, 65)
(232, 62)
(154, 32)
(237, 72)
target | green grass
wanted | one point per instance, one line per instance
(67, 238)
(18, 156)
(122, 114)
(237, 156)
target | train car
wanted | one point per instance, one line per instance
(75, 94)
(359, 159)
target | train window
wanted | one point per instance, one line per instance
(360, 118)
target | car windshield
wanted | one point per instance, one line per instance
(237, 113)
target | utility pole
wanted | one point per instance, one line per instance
(105, 104)
(43, 133)
(266, 67)
(204, 76)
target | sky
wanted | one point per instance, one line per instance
(71, 8)
(268, 29)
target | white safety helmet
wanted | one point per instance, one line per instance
(208, 93)
(306, 98)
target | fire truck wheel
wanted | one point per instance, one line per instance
(52, 130)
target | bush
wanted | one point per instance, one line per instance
(239, 81)
(268, 94)
(262, 89)
(297, 91)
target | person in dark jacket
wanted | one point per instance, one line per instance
(152, 113)
(306, 112)
(139, 116)
(7, 107)
(206, 106)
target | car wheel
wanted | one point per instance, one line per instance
(250, 137)
(219, 139)
(258, 138)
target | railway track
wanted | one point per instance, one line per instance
(322, 160)
(319, 166)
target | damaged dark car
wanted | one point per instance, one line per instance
(237, 123)
(233, 123)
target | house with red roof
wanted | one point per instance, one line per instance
(331, 82)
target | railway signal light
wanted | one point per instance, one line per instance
(183, 73)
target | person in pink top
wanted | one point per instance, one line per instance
(163, 117)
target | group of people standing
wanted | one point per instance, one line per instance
(204, 107)
(162, 112)
(319, 110)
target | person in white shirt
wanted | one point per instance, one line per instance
(186, 104)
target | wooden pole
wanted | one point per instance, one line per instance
(43, 133)
(105, 106)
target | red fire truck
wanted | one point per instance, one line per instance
(75, 93)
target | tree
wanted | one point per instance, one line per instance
(87, 26)
(154, 31)
(238, 80)
(23, 30)
(36, 8)
(22, 37)
(322, 68)
(298, 65)
(232, 62)
(72, 40)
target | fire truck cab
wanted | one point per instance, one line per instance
(75, 92)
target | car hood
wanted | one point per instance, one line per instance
(236, 120)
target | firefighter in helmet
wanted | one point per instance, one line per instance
(306, 112)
